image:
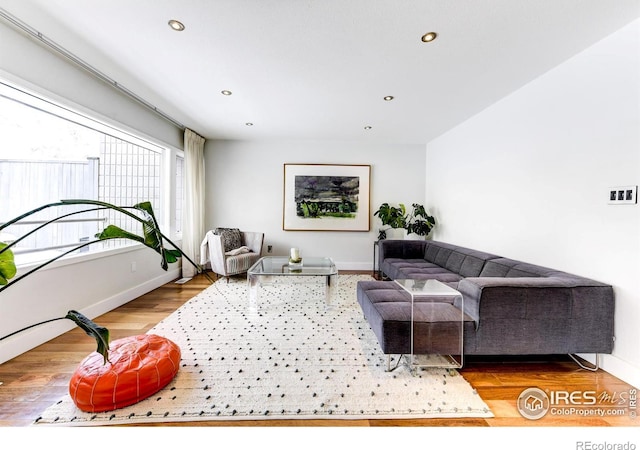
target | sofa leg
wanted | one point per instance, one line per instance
(592, 368)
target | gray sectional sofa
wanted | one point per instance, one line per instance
(512, 307)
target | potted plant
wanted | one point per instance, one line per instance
(107, 379)
(419, 222)
(395, 217)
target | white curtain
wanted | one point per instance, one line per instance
(193, 220)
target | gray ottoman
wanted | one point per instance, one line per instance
(387, 308)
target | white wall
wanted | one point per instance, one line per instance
(245, 188)
(92, 287)
(98, 285)
(528, 178)
(30, 62)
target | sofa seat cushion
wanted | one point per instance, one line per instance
(398, 268)
(240, 263)
(378, 291)
(391, 266)
(418, 269)
(444, 276)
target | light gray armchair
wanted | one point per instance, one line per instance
(231, 251)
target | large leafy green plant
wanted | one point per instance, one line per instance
(392, 216)
(419, 221)
(7, 265)
(152, 237)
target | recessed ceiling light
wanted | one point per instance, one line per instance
(388, 98)
(430, 36)
(176, 25)
(368, 127)
(225, 92)
(249, 124)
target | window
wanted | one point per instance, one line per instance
(49, 153)
(128, 174)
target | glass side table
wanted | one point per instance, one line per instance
(437, 325)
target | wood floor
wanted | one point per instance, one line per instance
(33, 381)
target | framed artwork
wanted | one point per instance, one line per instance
(326, 197)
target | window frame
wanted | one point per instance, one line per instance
(83, 116)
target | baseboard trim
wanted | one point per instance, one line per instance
(618, 367)
(29, 339)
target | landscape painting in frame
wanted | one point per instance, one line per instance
(325, 197)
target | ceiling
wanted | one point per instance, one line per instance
(319, 69)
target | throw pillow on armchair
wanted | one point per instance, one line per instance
(231, 238)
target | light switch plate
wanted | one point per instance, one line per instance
(623, 195)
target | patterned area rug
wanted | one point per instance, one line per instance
(294, 359)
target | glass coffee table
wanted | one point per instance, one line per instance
(270, 267)
(437, 324)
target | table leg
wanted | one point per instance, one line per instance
(331, 288)
(253, 282)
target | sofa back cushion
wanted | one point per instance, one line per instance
(472, 265)
(509, 268)
(443, 256)
(463, 261)
(431, 250)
